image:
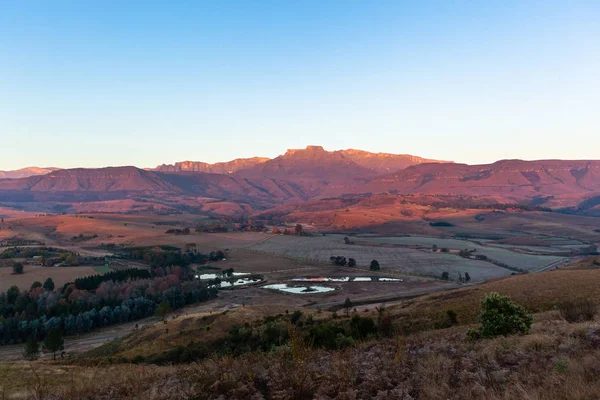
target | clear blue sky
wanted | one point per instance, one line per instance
(95, 83)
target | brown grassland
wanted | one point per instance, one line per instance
(60, 275)
(421, 359)
(557, 360)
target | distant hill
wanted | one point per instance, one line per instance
(25, 172)
(383, 163)
(314, 174)
(109, 179)
(216, 168)
(555, 183)
(314, 162)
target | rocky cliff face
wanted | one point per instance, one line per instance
(216, 168)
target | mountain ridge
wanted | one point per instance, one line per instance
(26, 172)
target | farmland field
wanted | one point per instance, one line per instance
(528, 262)
(402, 260)
(60, 276)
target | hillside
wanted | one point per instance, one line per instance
(555, 183)
(111, 179)
(25, 172)
(314, 174)
(417, 351)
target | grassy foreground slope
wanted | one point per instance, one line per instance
(557, 360)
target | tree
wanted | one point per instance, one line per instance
(163, 309)
(347, 305)
(32, 348)
(71, 260)
(374, 266)
(49, 284)
(501, 316)
(17, 268)
(351, 262)
(299, 229)
(346, 240)
(434, 248)
(36, 285)
(467, 277)
(11, 294)
(54, 342)
(445, 276)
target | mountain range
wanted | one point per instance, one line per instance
(314, 173)
(25, 172)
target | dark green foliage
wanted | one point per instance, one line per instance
(295, 317)
(464, 253)
(32, 349)
(501, 317)
(362, 327)
(76, 311)
(351, 262)
(374, 265)
(49, 284)
(444, 224)
(17, 268)
(467, 277)
(212, 228)
(163, 309)
(92, 282)
(325, 335)
(338, 260)
(162, 256)
(578, 311)
(12, 294)
(216, 255)
(445, 276)
(36, 285)
(54, 342)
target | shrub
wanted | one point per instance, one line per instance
(441, 224)
(445, 276)
(578, 311)
(17, 268)
(362, 327)
(295, 317)
(501, 316)
(374, 266)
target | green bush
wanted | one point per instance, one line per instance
(501, 316)
(361, 327)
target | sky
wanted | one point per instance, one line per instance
(99, 83)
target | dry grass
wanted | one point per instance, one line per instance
(557, 361)
(60, 276)
(537, 292)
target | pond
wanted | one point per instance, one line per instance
(349, 279)
(238, 282)
(215, 276)
(283, 287)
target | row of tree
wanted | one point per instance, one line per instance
(341, 261)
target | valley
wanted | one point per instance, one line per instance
(250, 257)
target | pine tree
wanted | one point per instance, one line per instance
(49, 284)
(54, 342)
(32, 349)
